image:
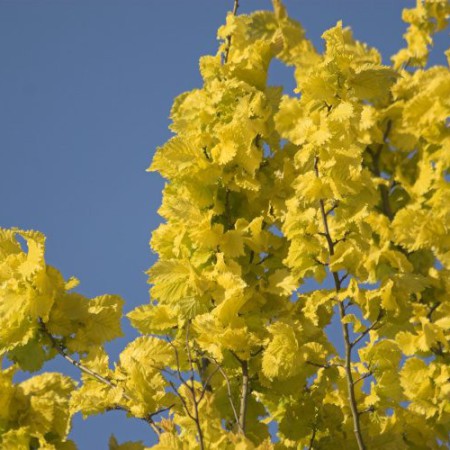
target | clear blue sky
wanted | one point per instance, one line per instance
(85, 92)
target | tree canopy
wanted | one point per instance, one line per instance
(345, 182)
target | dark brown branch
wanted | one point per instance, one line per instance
(362, 377)
(323, 366)
(335, 205)
(384, 190)
(439, 350)
(228, 39)
(432, 309)
(197, 423)
(260, 349)
(265, 258)
(343, 278)
(368, 329)
(369, 409)
(318, 261)
(313, 436)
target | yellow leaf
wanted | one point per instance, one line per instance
(150, 318)
(232, 244)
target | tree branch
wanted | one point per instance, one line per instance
(313, 436)
(62, 350)
(362, 377)
(323, 366)
(229, 393)
(432, 309)
(344, 326)
(368, 329)
(244, 396)
(245, 390)
(191, 387)
(206, 384)
(228, 40)
(384, 191)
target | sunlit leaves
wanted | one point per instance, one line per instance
(35, 412)
(28, 287)
(269, 198)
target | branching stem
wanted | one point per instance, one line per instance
(62, 350)
(195, 416)
(229, 392)
(368, 329)
(344, 326)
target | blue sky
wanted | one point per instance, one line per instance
(85, 93)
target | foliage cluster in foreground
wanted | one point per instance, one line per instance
(345, 183)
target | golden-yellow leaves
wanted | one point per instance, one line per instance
(28, 287)
(269, 199)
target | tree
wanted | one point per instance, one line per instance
(346, 183)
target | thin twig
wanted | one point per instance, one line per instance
(145, 418)
(313, 436)
(228, 39)
(384, 191)
(369, 409)
(204, 389)
(177, 361)
(323, 366)
(368, 329)
(343, 278)
(183, 401)
(362, 377)
(335, 205)
(432, 309)
(229, 392)
(62, 350)
(191, 387)
(350, 382)
(265, 258)
(344, 326)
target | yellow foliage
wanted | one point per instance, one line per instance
(286, 219)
